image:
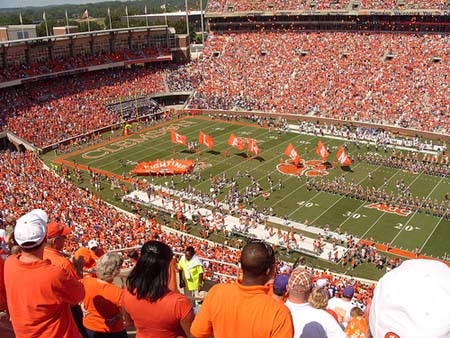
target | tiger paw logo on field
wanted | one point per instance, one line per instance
(311, 168)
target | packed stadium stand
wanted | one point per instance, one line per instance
(54, 90)
(379, 78)
(221, 6)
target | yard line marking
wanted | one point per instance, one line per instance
(318, 193)
(428, 238)
(365, 202)
(383, 214)
(392, 241)
(343, 196)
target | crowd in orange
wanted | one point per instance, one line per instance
(28, 185)
(289, 5)
(47, 113)
(15, 72)
(380, 78)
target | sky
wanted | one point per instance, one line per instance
(41, 3)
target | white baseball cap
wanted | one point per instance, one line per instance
(93, 244)
(40, 213)
(412, 301)
(31, 229)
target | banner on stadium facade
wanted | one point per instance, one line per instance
(164, 167)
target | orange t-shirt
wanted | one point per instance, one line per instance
(235, 310)
(59, 260)
(160, 319)
(102, 302)
(357, 328)
(39, 297)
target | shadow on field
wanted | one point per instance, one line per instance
(346, 168)
(213, 152)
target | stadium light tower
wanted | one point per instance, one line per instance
(201, 21)
(187, 19)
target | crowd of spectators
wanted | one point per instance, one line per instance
(379, 78)
(182, 77)
(289, 5)
(50, 112)
(27, 184)
(15, 72)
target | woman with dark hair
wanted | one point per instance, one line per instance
(156, 311)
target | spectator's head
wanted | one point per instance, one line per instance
(322, 282)
(94, 245)
(318, 298)
(189, 253)
(149, 278)
(108, 266)
(258, 263)
(403, 307)
(56, 235)
(10, 220)
(31, 230)
(348, 292)
(356, 312)
(280, 283)
(300, 285)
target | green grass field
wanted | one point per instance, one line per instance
(429, 233)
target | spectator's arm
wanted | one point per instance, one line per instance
(186, 323)
(67, 288)
(202, 325)
(128, 321)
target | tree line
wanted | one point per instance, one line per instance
(98, 14)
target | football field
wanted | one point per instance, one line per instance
(400, 227)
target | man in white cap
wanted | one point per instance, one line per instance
(39, 294)
(90, 255)
(412, 301)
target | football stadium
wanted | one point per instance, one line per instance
(288, 177)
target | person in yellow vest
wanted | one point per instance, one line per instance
(191, 273)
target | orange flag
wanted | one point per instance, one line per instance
(343, 158)
(322, 151)
(206, 140)
(253, 147)
(292, 153)
(236, 142)
(177, 138)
